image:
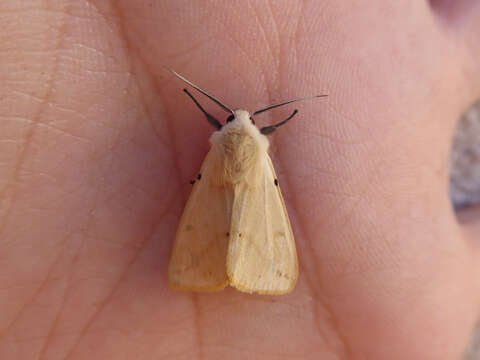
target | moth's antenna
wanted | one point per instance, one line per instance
(211, 97)
(270, 129)
(210, 118)
(285, 103)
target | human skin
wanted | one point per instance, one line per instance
(98, 144)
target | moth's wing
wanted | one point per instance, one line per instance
(261, 255)
(199, 253)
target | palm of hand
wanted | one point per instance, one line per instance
(104, 164)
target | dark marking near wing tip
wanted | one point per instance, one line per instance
(228, 234)
(239, 234)
(192, 182)
(188, 227)
(199, 176)
(280, 274)
(276, 182)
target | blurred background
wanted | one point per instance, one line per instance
(465, 166)
(465, 180)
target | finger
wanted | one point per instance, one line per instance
(460, 19)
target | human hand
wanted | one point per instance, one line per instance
(99, 144)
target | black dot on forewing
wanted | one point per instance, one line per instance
(228, 234)
(276, 182)
(192, 182)
(199, 176)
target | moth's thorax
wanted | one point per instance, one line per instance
(240, 147)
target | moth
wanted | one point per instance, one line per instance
(235, 228)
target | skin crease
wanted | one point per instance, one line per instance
(98, 144)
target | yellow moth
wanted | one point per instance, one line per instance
(235, 228)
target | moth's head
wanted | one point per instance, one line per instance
(240, 122)
(242, 119)
(240, 116)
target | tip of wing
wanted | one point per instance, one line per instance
(192, 287)
(263, 288)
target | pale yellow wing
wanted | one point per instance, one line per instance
(261, 255)
(200, 249)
